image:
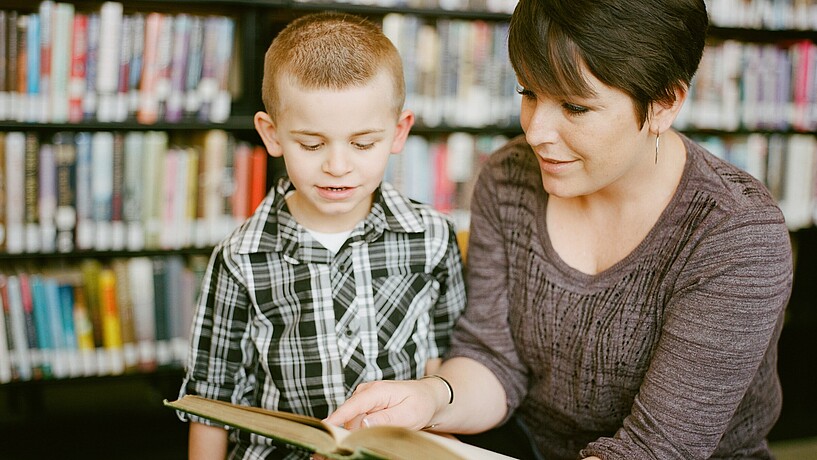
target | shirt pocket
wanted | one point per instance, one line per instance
(403, 305)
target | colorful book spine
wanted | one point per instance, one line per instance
(111, 322)
(21, 356)
(77, 74)
(33, 104)
(90, 100)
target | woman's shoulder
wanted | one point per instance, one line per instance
(733, 189)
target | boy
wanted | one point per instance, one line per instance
(336, 279)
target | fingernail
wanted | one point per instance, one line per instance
(366, 422)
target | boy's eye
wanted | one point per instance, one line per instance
(574, 109)
(363, 146)
(310, 147)
(525, 92)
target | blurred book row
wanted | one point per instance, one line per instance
(755, 87)
(129, 190)
(94, 319)
(62, 64)
(787, 164)
(457, 71)
(764, 14)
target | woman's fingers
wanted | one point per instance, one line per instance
(384, 403)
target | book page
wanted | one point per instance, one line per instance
(398, 443)
(300, 430)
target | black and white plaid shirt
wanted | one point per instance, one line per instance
(285, 324)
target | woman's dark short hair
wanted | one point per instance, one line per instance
(646, 48)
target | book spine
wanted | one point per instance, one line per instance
(192, 101)
(21, 104)
(102, 188)
(15, 191)
(107, 78)
(61, 61)
(132, 190)
(85, 227)
(4, 64)
(140, 273)
(120, 110)
(137, 56)
(46, 11)
(148, 100)
(258, 183)
(60, 363)
(70, 352)
(84, 329)
(32, 225)
(5, 350)
(77, 74)
(66, 213)
(42, 325)
(20, 335)
(180, 47)
(3, 199)
(111, 325)
(33, 102)
(124, 302)
(12, 51)
(220, 107)
(90, 99)
(118, 232)
(47, 200)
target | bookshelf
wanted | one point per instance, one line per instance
(442, 137)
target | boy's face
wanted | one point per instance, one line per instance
(336, 144)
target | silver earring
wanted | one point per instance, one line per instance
(657, 142)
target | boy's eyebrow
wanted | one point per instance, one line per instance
(363, 132)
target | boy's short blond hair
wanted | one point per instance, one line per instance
(330, 51)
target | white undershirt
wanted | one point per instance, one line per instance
(331, 241)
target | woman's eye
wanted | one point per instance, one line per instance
(525, 92)
(574, 109)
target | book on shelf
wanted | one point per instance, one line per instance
(5, 334)
(333, 442)
(15, 191)
(2, 191)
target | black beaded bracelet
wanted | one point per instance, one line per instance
(447, 385)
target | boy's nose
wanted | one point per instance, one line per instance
(336, 162)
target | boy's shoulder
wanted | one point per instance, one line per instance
(413, 216)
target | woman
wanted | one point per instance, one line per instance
(626, 287)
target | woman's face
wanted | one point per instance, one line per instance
(586, 145)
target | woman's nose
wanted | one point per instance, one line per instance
(540, 123)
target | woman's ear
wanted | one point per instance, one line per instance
(404, 124)
(663, 114)
(269, 133)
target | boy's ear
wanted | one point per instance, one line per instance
(662, 115)
(268, 132)
(404, 124)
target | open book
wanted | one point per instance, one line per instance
(313, 435)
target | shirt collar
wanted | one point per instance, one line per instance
(273, 229)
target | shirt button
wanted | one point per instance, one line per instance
(348, 332)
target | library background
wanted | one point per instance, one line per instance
(127, 151)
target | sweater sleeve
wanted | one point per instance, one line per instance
(483, 332)
(722, 322)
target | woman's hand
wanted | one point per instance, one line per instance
(411, 404)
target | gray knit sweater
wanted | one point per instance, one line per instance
(670, 353)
